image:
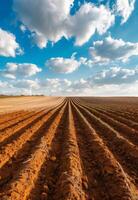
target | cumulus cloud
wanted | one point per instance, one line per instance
(54, 21)
(55, 82)
(3, 84)
(5, 87)
(112, 90)
(49, 21)
(111, 49)
(8, 45)
(88, 20)
(108, 82)
(40, 40)
(26, 84)
(54, 86)
(116, 75)
(19, 87)
(124, 8)
(65, 65)
(48, 86)
(14, 70)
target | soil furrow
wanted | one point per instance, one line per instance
(121, 119)
(126, 115)
(61, 176)
(12, 133)
(123, 111)
(74, 148)
(107, 173)
(49, 173)
(114, 115)
(20, 156)
(71, 182)
(6, 118)
(125, 152)
(19, 188)
(124, 130)
(17, 121)
(7, 151)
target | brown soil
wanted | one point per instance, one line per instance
(69, 149)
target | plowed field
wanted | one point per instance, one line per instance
(69, 149)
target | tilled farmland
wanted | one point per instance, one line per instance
(73, 149)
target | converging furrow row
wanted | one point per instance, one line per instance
(71, 151)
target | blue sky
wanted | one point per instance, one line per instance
(60, 47)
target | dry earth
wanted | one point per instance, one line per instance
(68, 148)
(8, 104)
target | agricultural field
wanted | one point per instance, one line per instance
(75, 148)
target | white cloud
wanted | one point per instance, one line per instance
(48, 86)
(8, 45)
(112, 82)
(19, 87)
(54, 86)
(110, 49)
(5, 87)
(46, 18)
(116, 75)
(50, 20)
(88, 20)
(115, 81)
(112, 90)
(3, 84)
(26, 84)
(124, 8)
(16, 70)
(64, 65)
(22, 28)
(40, 40)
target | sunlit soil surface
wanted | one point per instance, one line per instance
(68, 148)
